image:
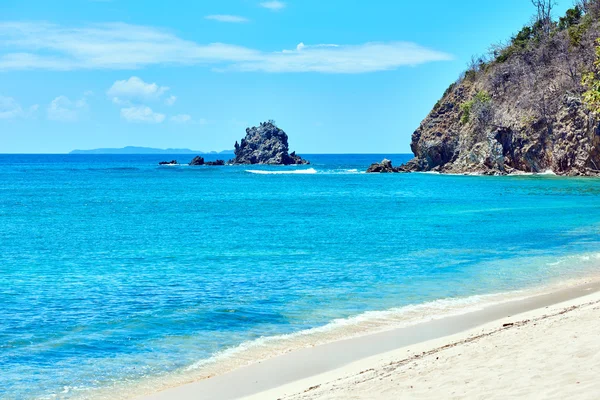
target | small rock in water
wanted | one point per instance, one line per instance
(200, 161)
(172, 162)
(384, 166)
(216, 163)
(197, 161)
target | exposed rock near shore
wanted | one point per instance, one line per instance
(172, 162)
(197, 161)
(216, 163)
(521, 111)
(200, 161)
(265, 144)
(384, 166)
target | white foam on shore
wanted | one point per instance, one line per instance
(366, 323)
(264, 348)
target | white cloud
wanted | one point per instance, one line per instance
(63, 109)
(134, 88)
(120, 102)
(104, 46)
(227, 18)
(141, 114)
(170, 100)
(348, 59)
(10, 108)
(181, 118)
(122, 46)
(273, 5)
(133, 91)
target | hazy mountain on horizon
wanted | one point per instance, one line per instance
(146, 150)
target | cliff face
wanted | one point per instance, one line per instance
(265, 144)
(521, 110)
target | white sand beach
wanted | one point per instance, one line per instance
(549, 353)
(547, 346)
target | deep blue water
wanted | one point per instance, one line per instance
(113, 269)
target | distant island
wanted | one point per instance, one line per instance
(146, 150)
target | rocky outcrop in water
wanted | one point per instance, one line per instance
(521, 111)
(217, 163)
(197, 161)
(265, 144)
(384, 166)
(172, 162)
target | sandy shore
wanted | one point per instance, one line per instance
(546, 346)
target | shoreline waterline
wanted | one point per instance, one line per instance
(548, 352)
(300, 355)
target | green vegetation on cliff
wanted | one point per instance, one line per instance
(591, 81)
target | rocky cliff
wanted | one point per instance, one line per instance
(520, 109)
(265, 144)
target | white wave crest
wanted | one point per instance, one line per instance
(344, 328)
(309, 171)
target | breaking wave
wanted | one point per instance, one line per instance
(309, 171)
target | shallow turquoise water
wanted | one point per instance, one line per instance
(113, 269)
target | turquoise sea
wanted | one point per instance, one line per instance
(115, 271)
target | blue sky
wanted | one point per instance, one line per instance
(337, 76)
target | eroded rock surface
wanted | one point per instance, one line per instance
(172, 162)
(197, 161)
(384, 166)
(520, 112)
(265, 144)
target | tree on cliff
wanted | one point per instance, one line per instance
(544, 13)
(591, 81)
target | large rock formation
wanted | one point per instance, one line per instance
(520, 111)
(265, 144)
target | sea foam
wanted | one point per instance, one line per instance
(309, 171)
